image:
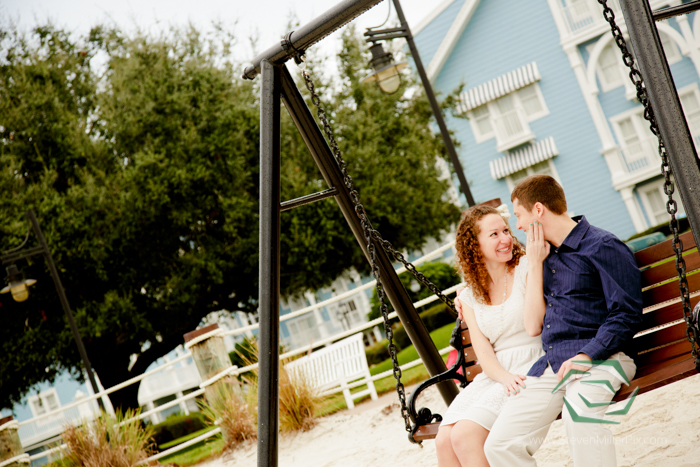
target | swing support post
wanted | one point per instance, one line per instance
(269, 292)
(664, 100)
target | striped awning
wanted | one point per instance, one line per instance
(523, 158)
(498, 87)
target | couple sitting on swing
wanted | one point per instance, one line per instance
(572, 295)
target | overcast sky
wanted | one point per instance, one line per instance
(266, 19)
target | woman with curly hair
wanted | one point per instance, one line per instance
(503, 287)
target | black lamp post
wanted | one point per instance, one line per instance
(387, 76)
(18, 287)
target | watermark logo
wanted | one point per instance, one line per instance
(581, 415)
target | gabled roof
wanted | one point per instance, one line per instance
(453, 33)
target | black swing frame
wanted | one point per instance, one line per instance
(278, 86)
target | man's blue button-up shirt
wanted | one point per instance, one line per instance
(592, 291)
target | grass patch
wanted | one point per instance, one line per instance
(196, 453)
(175, 442)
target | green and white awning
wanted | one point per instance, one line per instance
(523, 158)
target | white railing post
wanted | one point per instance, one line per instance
(210, 357)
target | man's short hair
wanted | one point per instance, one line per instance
(543, 189)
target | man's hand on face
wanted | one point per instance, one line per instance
(568, 366)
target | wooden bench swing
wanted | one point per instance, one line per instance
(663, 350)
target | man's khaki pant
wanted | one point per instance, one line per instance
(523, 423)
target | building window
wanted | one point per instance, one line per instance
(637, 145)
(673, 53)
(690, 100)
(531, 100)
(507, 117)
(348, 314)
(45, 401)
(654, 202)
(482, 122)
(541, 168)
(304, 330)
(612, 72)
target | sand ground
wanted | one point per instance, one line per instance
(662, 429)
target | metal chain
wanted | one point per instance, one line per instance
(372, 234)
(669, 187)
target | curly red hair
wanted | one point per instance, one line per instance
(469, 258)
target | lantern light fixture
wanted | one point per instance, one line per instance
(386, 71)
(16, 284)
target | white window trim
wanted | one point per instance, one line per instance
(42, 395)
(604, 85)
(641, 127)
(493, 110)
(478, 136)
(630, 91)
(552, 167)
(545, 110)
(676, 54)
(690, 89)
(648, 210)
(638, 118)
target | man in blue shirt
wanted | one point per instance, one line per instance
(592, 309)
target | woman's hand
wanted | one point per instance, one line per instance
(458, 305)
(512, 383)
(537, 248)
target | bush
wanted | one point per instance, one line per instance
(401, 339)
(437, 316)
(299, 400)
(244, 353)
(107, 441)
(433, 318)
(377, 352)
(177, 426)
(234, 411)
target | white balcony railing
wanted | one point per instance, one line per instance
(168, 382)
(512, 130)
(580, 15)
(640, 155)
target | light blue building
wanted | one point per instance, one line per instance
(545, 91)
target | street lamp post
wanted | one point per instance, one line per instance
(389, 75)
(19, 290)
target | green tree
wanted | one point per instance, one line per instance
(144, 177)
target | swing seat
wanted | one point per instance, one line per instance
(663, 351)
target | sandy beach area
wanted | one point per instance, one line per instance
(661, 429)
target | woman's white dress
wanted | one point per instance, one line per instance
(482, 400)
